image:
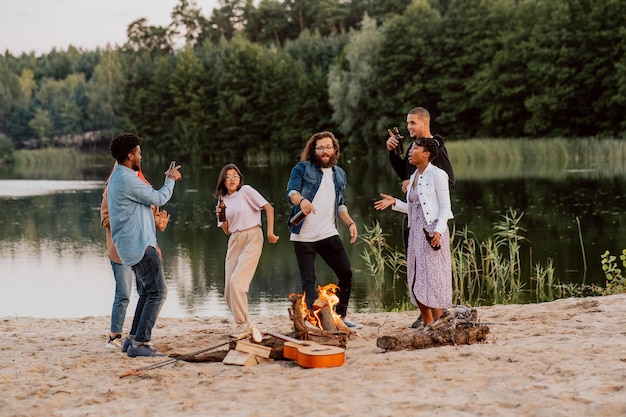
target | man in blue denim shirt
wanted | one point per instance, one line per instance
(134, 234)
(316, 188)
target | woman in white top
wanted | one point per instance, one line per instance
(243, 225)
(429, 269)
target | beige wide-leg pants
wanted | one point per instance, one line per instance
(242, 258)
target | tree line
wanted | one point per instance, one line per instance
(259, 80)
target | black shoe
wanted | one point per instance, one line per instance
(142, 350)
(418, 323)
(126, 344)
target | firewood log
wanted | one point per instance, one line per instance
(328, 321)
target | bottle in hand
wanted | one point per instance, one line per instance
(297, 219)
(429, 238)
(398, 137)
(222, 206)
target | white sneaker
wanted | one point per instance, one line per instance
(114, 342)
(240, 331)
(257, 336)
(350, 324)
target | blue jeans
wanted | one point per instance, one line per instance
(123, 286)
(333, 252)
(152, 294)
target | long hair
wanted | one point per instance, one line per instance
(308, 153)
(220, 189)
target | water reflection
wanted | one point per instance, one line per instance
(26, 188)
(53, 260)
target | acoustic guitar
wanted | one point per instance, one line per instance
(309, 354)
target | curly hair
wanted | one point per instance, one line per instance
(308, 153)
(431, 144)
(122, 145)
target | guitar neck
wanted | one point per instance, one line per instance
(289, 339)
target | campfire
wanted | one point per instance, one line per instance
(322, 324)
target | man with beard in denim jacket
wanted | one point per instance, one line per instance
(316, 188)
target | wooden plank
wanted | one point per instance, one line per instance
(259, 350)
(235, 357)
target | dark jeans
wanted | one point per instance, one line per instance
(333, 252)
(152, 292)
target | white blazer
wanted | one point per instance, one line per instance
(434, 194)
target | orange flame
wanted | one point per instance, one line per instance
(326, 295)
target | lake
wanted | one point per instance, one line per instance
(53, 260)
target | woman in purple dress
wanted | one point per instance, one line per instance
(429, 269)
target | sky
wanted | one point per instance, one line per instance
(40, 25)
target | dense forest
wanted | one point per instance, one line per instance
(259, 79)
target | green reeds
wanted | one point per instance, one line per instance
(58, 163)
(489, 270)
(582, 248)
(465, 268)
(549, 157)
(545, 282)
(379, 257)
(374, 253)
(482, 272)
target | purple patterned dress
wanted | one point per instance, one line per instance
(429, 271)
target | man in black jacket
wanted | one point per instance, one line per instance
(418, 125)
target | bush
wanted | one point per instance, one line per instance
(615, 281)
(6, 149)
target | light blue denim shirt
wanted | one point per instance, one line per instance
(306, 178)
(130, 212)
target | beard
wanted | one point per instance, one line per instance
(332, 161)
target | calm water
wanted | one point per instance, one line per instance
(53, 261)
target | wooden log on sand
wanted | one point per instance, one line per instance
(457, 326)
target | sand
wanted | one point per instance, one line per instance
(563, 358)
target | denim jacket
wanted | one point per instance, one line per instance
(130, 213)
(434, 193)
(306, 178)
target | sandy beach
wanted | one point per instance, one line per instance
(563, 358)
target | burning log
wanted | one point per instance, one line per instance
(322, 325)
(327, 320)
(457, 326)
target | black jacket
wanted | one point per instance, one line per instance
(404, 169)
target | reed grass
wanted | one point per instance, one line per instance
(489, 271)
(544, 278)
(549, 157)
(382, 260)
(55, 162)
(379, 257)
(582, 248)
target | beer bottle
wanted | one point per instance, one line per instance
(222, 216)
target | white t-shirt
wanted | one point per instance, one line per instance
(321, 224)
(243, 209)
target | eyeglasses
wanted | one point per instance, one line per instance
(232, 177)
(324, 148)
(425, 141)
